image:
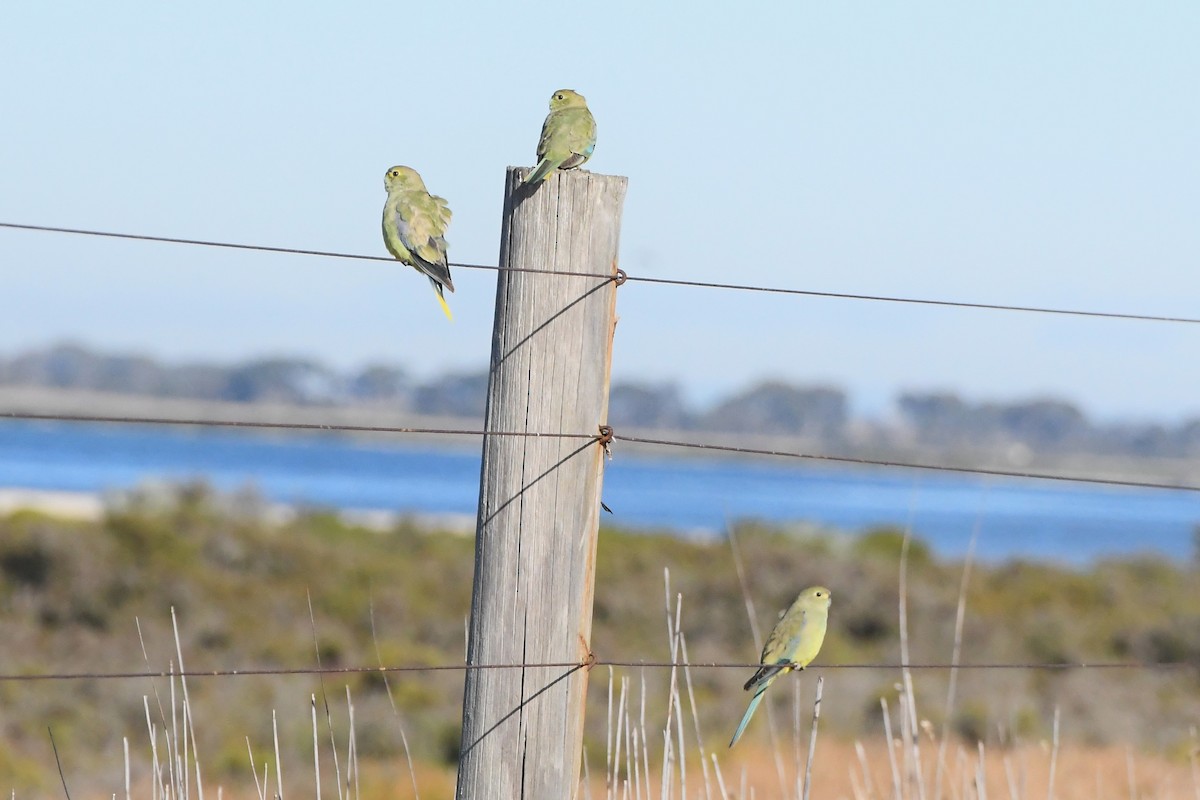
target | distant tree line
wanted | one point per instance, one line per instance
(819, 413)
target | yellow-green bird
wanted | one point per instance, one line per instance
(568, 135)
(794, 642)
(414, 228)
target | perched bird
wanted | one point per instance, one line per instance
(414, 228)
(793, 643)
(568, 135)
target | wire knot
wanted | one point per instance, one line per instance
(606, 439)
(620, 277)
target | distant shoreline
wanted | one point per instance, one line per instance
(80, 506)
(86, 402)
(36, 400)
(91, 507)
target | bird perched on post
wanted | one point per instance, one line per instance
(794, 642)
(414, 228)
(568, 135)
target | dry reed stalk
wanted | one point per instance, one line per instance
(258, 785)
(645, 753)
(1053, 758)
(616, 761)
(668, 748)
(855, 787)
(868, 784)
(955, 656)
(797, 686)
(665, 788)
(312, 621)
(812, 740)
(1013, 794)
(608, 735)
(720, 778)
(887, 732)
(637, 767)
(751, 614)
(188, 724)
(316, 747)
(387, 685)
(278, 758)
(673, 745)
(681, 747)
(981, 774)
(906, 734)
(351, 748)
(912, 745)
(687, 680)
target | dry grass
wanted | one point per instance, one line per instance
(1083, 772)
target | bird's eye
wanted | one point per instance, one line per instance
(559, 97)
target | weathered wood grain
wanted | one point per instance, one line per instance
(539, 498)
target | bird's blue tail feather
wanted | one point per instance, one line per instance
(754, 701)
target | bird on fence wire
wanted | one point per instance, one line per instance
(794, 642)
(568, 135)
(414, 228)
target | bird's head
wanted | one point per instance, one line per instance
(567, 98)
(817, 596)
(403, 178)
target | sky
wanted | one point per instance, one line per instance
(1026, 153)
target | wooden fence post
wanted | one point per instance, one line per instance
(539, 497)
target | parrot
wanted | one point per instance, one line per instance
(794, 642)
(414, 228)
(568, 136)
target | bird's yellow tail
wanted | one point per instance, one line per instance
(437, 290)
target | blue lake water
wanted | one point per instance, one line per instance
(1017, 518)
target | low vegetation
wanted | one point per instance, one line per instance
(98, 597)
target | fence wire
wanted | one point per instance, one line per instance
(611, 436)
(740, 287)
(631, 664)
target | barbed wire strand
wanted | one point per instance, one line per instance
(879, 462)
(632, 278)
(1073, 312)
(260, 248)
(303, 426)
(631, 664)
(872, 462)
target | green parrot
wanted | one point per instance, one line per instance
(414, 228)
(794, 642)
(568, 135)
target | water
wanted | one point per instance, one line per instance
(1037, 519)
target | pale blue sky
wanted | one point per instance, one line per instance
(1038, 153)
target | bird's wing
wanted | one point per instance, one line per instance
(421, 220)
(580, 133)
(548, 128)
(785, 637)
